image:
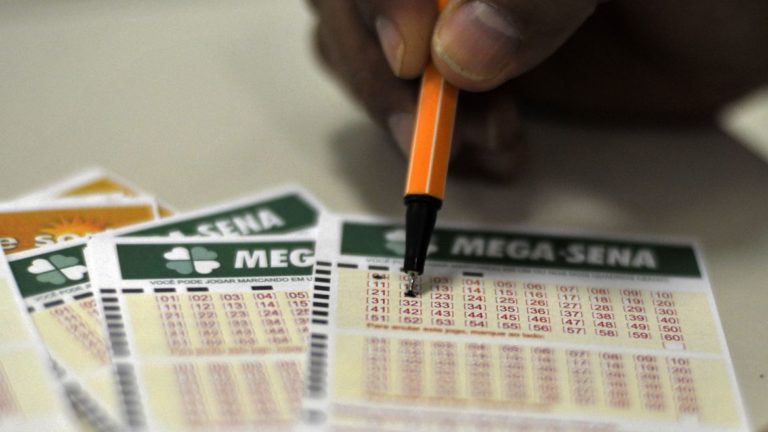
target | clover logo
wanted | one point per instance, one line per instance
(57, 269)
(186, 261)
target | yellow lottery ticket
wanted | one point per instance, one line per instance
(206, 334)
(30, 396)
(94, 181)
(29, 225)
(515, 331)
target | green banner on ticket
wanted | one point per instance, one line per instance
(513, 249)
(286, 213)
(41, 273)
(215, 260)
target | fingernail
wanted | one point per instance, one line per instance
(391, 42)
(477, 41)
(401, 128)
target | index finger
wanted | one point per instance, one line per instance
(404, 29)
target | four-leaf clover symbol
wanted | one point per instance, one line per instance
(186, 261)
(57, 269)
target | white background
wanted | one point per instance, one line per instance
(201, 102)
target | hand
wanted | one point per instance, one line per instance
(627, 60)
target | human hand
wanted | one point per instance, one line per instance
(623, 60)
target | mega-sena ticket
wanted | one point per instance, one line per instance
(514, 330)
(56, 287)
(206, 334)
(30, 397)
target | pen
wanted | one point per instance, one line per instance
(428, 166)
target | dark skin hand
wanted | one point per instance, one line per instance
(629, 60)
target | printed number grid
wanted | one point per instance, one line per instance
(74, 324)
(74, 335)
(411, 354)
(197, 364)
(209, 323)
(224, 394)
(653, 319)
(494, 376)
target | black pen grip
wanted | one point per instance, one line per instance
(420, 217)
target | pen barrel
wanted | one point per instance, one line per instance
(420, 217)
(433, 133)
(428, 167)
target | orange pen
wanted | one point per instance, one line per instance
(428, 166)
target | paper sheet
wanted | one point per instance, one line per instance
(515, 330)
(56, 288)
(206, 334)
(30, 398)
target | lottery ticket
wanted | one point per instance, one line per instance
(205, 333)
(29, 225)
(30, 397)
(514, 330)
(93, 181)
(56, 286)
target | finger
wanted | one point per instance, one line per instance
(352, 53)
(404, 29)
(480, 44)
(487, 141)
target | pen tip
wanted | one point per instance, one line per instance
(410, 287)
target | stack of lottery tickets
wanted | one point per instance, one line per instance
(270, 313)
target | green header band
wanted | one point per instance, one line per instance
(279, 215)
(527, 250)
(52, 271)
(215, 260)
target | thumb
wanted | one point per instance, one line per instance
(479, 44)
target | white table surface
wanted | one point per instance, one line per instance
(201, 102)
